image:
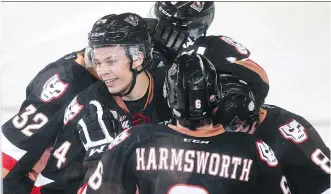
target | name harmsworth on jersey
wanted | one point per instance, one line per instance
(201, 162)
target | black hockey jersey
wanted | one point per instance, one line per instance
(302, 153)
(219, 49)
(23, 138)
(66, 168)
(229, 56)
(159, 159)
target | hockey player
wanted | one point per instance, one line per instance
(56, 91)
(179, 24)
(192, 156)
(119, 49)
(182, 28)
(48, 91)
(297, 145)
(51, 88)
(301, 151)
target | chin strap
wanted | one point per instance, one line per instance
(135, 72)
(132, 83)
(121, 103)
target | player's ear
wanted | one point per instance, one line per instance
(139, 61)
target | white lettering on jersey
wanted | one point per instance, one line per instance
(321, 160)
(95, 179)
(27, 123)
(54, 88)
(200, 162)
(294, 131)
(284, 186)
(72, 110)
(266, 154)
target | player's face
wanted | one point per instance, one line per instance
(113, 68)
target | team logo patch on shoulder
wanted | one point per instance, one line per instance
(266, 154)
(133, 20)
(239, 47)
(72, 110)
(197, 5)
(54, 88)
(294, 131)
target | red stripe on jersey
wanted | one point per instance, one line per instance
(8, 162)
(36, 190)
(81, 190)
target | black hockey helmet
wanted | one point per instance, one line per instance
(128, 30)
(238, 106)
(191, 88)
(194, 16)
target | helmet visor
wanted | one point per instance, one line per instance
(113, 54)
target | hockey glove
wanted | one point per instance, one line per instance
(97, 129)
(169, 39)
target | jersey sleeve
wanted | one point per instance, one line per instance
(50, 92)
(306, 154)
(224, 47)
(230, 56)
(270, 177)
(114, 171)
(218, 49)
(64, 170)
(20, 155)
(85, 136)
(251, 72)
(29, 133)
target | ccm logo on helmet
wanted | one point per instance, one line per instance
(195, 141)
(97, 34)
